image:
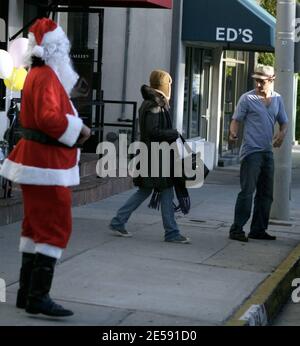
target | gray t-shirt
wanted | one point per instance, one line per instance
(259, 121)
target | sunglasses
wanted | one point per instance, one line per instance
(262, 81)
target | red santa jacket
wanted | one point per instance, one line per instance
(45, 107)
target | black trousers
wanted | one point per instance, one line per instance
(256, 173)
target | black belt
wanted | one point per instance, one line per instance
(41, 137)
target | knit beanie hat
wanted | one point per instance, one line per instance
(161, 80)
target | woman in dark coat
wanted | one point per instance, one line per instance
(155, 126)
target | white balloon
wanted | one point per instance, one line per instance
(17, 50)
(6, 64)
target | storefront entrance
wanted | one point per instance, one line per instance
(233, 30)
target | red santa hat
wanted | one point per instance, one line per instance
(45, 31)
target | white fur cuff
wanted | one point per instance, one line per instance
(27, 245)
(49, 250)
(72, 132)
(22, 174)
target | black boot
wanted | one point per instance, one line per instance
(25, 276)
(39, 301)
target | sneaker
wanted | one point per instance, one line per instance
(180, 239)
(240, 236)
(120, 232)
(263, 235)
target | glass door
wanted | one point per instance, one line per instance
(195, 101)
(234, 85)
(197, 93)
(205, 104)
(229, 101)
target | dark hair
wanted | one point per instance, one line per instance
(36, 62)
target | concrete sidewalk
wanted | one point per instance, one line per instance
(115, 281)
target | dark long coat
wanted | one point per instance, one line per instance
(155, 126)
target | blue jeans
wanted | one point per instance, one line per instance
(167, 210)
(256, 173)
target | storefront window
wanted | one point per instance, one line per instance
(229, 102)
(241, 55)
(185, 124)
(205, 104)
(197, 93)
(195, 102)
(230, 54)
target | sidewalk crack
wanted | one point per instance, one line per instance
(215, 253)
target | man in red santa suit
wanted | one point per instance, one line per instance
(45, 164)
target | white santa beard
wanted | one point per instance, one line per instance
(64, 70)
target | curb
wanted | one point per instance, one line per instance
(264, 304)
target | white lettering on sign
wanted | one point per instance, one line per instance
(231, 34)
(80, 56)
(220, 34)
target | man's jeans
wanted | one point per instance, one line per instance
(167, 210)
(257, 172)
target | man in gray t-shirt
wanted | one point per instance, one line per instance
(259, 110)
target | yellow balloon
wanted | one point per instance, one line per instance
(16, 81)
